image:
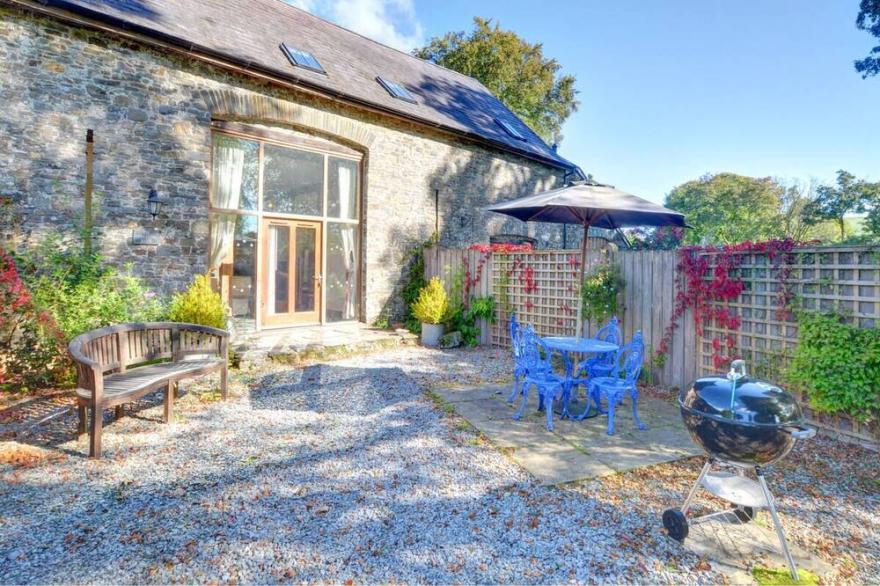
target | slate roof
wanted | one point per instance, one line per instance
(250, 32)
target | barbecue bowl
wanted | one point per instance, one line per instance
(742, 420)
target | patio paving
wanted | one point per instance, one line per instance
(581, 450)
(574, 450)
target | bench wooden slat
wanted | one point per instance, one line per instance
(144, 377)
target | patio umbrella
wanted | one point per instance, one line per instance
(589, 205)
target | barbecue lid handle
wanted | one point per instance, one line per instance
(737, 370)
(800, 432)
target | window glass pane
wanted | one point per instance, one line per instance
(342, 275)
(235, 173)
(306, 269)
(293, 181)
(244, 267)
(342, 181)
(279, 269)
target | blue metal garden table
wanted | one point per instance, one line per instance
(571, 344)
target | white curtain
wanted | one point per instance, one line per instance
(350, 269)
(346, 187)
(344, 177)
(228, 172)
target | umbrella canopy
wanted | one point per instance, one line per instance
(589, 205)
(600, 206)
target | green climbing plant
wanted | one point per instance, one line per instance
(838, 365)
(600, 292)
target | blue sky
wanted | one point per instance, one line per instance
(674, 89)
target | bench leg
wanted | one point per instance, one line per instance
(224, 376)
(83, 419)
(120, 411)
(97, 425)
(169, 402)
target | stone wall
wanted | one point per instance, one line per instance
(151, 115)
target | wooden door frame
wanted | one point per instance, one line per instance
(291, 318)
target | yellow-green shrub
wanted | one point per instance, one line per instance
(431, 305)
(199, 304)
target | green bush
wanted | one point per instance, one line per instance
(68, 292)
(838, 365)
(82, 292)
(415, 280)
(432, 304)
(464, 319)
(599, 293)
(32, 348)
(199, 304)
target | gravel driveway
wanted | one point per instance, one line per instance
(336, 472)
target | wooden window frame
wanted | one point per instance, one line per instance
(263, 136)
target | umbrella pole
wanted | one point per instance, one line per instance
(580, 309)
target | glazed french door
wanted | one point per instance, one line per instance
(291, 283)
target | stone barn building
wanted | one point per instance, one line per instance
(295, 161)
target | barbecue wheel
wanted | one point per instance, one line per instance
(676, 524)
(744, 514)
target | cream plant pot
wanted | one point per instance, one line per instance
(431, 334)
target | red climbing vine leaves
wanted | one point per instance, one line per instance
(710, 280)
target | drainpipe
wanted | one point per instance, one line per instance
(87, 220)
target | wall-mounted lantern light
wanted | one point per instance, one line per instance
(154, 203)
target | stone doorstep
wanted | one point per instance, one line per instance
(298, 355)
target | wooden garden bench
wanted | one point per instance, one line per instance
(119, 364)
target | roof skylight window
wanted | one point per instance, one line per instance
(302, 58)
(396, 90)
(510, 129)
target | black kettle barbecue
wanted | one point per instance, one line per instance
(743, 423)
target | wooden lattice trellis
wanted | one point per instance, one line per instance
(540, 288)
(843, 279)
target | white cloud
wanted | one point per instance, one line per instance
(392, 22)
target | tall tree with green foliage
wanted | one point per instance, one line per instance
(869, 20)
(834, 202)
(728, 208)
(515, 70)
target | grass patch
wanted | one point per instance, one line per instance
(463, 425)
(760, 520)
(781, 576)
(211, 396)
(441, 403)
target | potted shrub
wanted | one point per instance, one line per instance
(429, 309)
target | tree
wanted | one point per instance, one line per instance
(727, 208)
(795, 224)
(869, 20)
(513, 69)
(834, 202)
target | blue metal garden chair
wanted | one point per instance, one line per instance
(537, 360)
(623, 378)
(519, 369)
(601, 365)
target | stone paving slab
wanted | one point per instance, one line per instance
(733, 547)
(557, 462)
(575, 450)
